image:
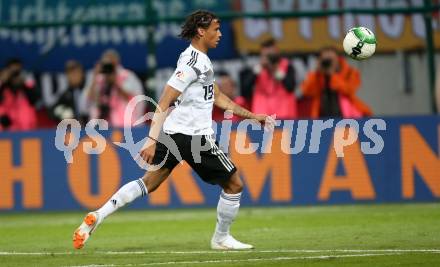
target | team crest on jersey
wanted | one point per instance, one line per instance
(180, 75)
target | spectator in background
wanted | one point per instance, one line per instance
(228, 86)
(272, 82)
(17, 97)
(111, 89)
(71, 104)
(332, 88)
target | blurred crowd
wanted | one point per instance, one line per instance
(269, 87)
(104, 95)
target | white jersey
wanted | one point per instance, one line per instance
(194, 77)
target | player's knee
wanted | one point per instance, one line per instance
(237, 188)
(234, 185)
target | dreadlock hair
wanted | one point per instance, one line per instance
(197, 19)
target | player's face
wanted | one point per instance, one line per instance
(213, 34)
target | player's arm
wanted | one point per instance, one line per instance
(182, 77)
(224, 102)
(168, 97)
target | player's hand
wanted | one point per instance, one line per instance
(147, 152)
(266, 120)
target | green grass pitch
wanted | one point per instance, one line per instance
(360, 235)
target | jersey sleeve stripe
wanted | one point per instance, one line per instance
(193, 60)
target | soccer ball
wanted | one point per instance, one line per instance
(359, 43)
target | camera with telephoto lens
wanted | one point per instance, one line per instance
(14, 74)
(326, 63)
(273, 58)
(15, 80)
(5, 121)
(107, 68)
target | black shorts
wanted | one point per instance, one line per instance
(207, 160)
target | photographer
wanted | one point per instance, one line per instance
(272, 82)
(332, 88)
(228, 87)
(71, 104)
(111, 89)
(17, 97)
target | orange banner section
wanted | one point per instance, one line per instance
(79, 176)
(356, 180)
(393, 33)
(256, 170)
(28, 173)
(418, 156)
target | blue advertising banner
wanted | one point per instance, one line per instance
(396, 163)
(48, 48)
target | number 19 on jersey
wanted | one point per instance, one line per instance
(209, 91)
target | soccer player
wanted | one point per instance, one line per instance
(193, 91)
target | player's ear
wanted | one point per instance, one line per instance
(200, 32)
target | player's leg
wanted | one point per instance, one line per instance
(227, 209)
(125, 195)
(132, 190)
(216, 168)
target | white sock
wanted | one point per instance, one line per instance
(227, 210)
(125, 195)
